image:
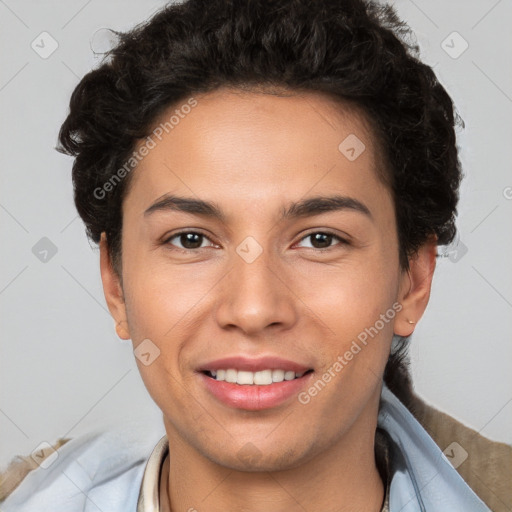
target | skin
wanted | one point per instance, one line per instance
(253, 154)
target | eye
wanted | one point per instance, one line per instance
(322, 240)
(189, 240)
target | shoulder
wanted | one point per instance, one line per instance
(484, 464)
(21, 465)
(422, 477)
(100, 469)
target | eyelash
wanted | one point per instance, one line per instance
(341, 240)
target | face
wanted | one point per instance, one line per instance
(253, 241)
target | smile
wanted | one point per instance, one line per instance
(247, 394)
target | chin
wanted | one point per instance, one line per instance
(249, 458)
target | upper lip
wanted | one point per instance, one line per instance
(254, 364)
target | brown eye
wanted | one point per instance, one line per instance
(322, 240)
(188, 240)
(191, 240)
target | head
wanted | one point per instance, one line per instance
(265, 178)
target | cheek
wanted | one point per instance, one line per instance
(163, 296)
(164, 306)
(348, 296)
(355, 305)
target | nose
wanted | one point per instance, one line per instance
(255, 297)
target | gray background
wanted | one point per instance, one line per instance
(63, 369)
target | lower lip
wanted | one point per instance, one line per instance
(253, 397)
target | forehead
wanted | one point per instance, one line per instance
(259, 147)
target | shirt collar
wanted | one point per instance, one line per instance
(149, 494)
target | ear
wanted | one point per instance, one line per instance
(414, 291)
(113, 290)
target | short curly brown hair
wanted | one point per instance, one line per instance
(357, 51)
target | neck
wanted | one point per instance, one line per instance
(342, 478)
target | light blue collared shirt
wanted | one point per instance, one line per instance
(102, 471)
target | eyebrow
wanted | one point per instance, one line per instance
(170, 202)
(304, 208)
(321, 204)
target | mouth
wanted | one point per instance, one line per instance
(254, 397)
(254, 384)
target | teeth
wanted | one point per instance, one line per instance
(277, 375)
(261, 378)
(231, 375)
(245, 377)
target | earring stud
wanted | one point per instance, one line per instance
(410, 321)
